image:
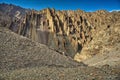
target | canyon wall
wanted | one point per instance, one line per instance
(77, 34)
(63, 31)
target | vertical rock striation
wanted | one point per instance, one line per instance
(63, 31)
(77, 34)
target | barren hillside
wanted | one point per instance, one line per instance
(53, 44)
(23, 59)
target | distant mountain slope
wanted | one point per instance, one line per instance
(11, 16)
(11, 10)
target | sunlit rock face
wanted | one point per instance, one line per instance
(77, 34)
(64, 31)
(105, 35)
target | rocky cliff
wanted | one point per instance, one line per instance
(77, 34)
(63, 31)
(73, 32)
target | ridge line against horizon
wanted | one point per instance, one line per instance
(72, 7)
(58, 10)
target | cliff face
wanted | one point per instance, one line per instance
(77, 34)
(72, 32)
(63, 31)
(105, 34)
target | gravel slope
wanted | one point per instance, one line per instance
(22, 59)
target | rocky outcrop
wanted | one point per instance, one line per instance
(71, 32)
(64, 31)
(77, 34)
(105, 35)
